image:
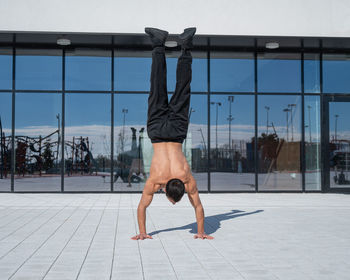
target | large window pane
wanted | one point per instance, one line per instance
(88, 70)
(38, 69)
(132, 70)
(199, 71)
(133, 149)
(5, 68)
(195, 147)
(232, 72)
(279, 140)
(279, 72)
(312, 127)
(312, 73)
(87, 142)
(5, 140)
(37, 136)
(231, 132)
(336, 69)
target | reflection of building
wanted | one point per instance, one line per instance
(266, 84)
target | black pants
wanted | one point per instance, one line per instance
(168, 122)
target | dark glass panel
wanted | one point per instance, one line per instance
(38, 69)
(232, 132)
(37, 137)
(87, 142)
(279, 142)
(279, 72)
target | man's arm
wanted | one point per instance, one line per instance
(193, 196)
(146, 199)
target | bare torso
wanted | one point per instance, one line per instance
(168, 162)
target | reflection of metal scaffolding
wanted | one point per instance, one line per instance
(32, 154)
(340, 151)
(80, 159)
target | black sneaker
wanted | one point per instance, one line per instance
(186, 38)
(158, 37)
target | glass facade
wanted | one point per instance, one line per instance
(255, 119)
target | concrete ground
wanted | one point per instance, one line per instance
(257, 236)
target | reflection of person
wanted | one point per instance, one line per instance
(167, 126)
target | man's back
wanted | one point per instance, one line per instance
(168, 162)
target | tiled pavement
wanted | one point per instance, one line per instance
(257, 236)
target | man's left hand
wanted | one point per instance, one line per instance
(203, 236)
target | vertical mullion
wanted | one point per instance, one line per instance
(302, 150)
(208, 108)
(112, 117)
(13, 157)
(63, 116)
(323, 116)
(256, 167)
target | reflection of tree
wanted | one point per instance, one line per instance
(47, 157)
(268, 148)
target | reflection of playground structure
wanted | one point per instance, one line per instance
(129, 165)
(340, 160)
(33, 155)
(79, 159)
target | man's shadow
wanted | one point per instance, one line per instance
(212, 223)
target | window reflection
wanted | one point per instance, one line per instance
(312, 73)
(38, 69)
(133, 149)
(312, 143)
(87, 142)
(88, 70)
(5, 68)
(339, 144)
(231, 132)
(37, 137)
(336, 68)
(199, 71)
(5, 140)
(279, 140)
(279, 72)
(132, 70)
(232, 72)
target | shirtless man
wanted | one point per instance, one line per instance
(167, 125)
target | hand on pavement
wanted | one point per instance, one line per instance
(141, 236)
(203, 236)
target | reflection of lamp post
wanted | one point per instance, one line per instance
(124, 111)
(287, 110)
(291, 116)
(309, 108)
(335, 128)
(189, 119)
(216, 131)
(58, 137)
(230, 119)
(205, 147)
(267, 119)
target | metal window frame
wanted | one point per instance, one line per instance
(208, 49)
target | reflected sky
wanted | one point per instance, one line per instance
(5, 71)
(139, 70)
(339, 115)
(232, 75)
(39, 72)
(279, 75)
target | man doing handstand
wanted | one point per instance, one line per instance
(167, 125)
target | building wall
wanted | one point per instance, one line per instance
(323, 18)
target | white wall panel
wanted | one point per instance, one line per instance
(221, 17)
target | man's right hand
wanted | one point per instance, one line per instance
(141, 236)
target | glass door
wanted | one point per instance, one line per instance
(337, 144)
